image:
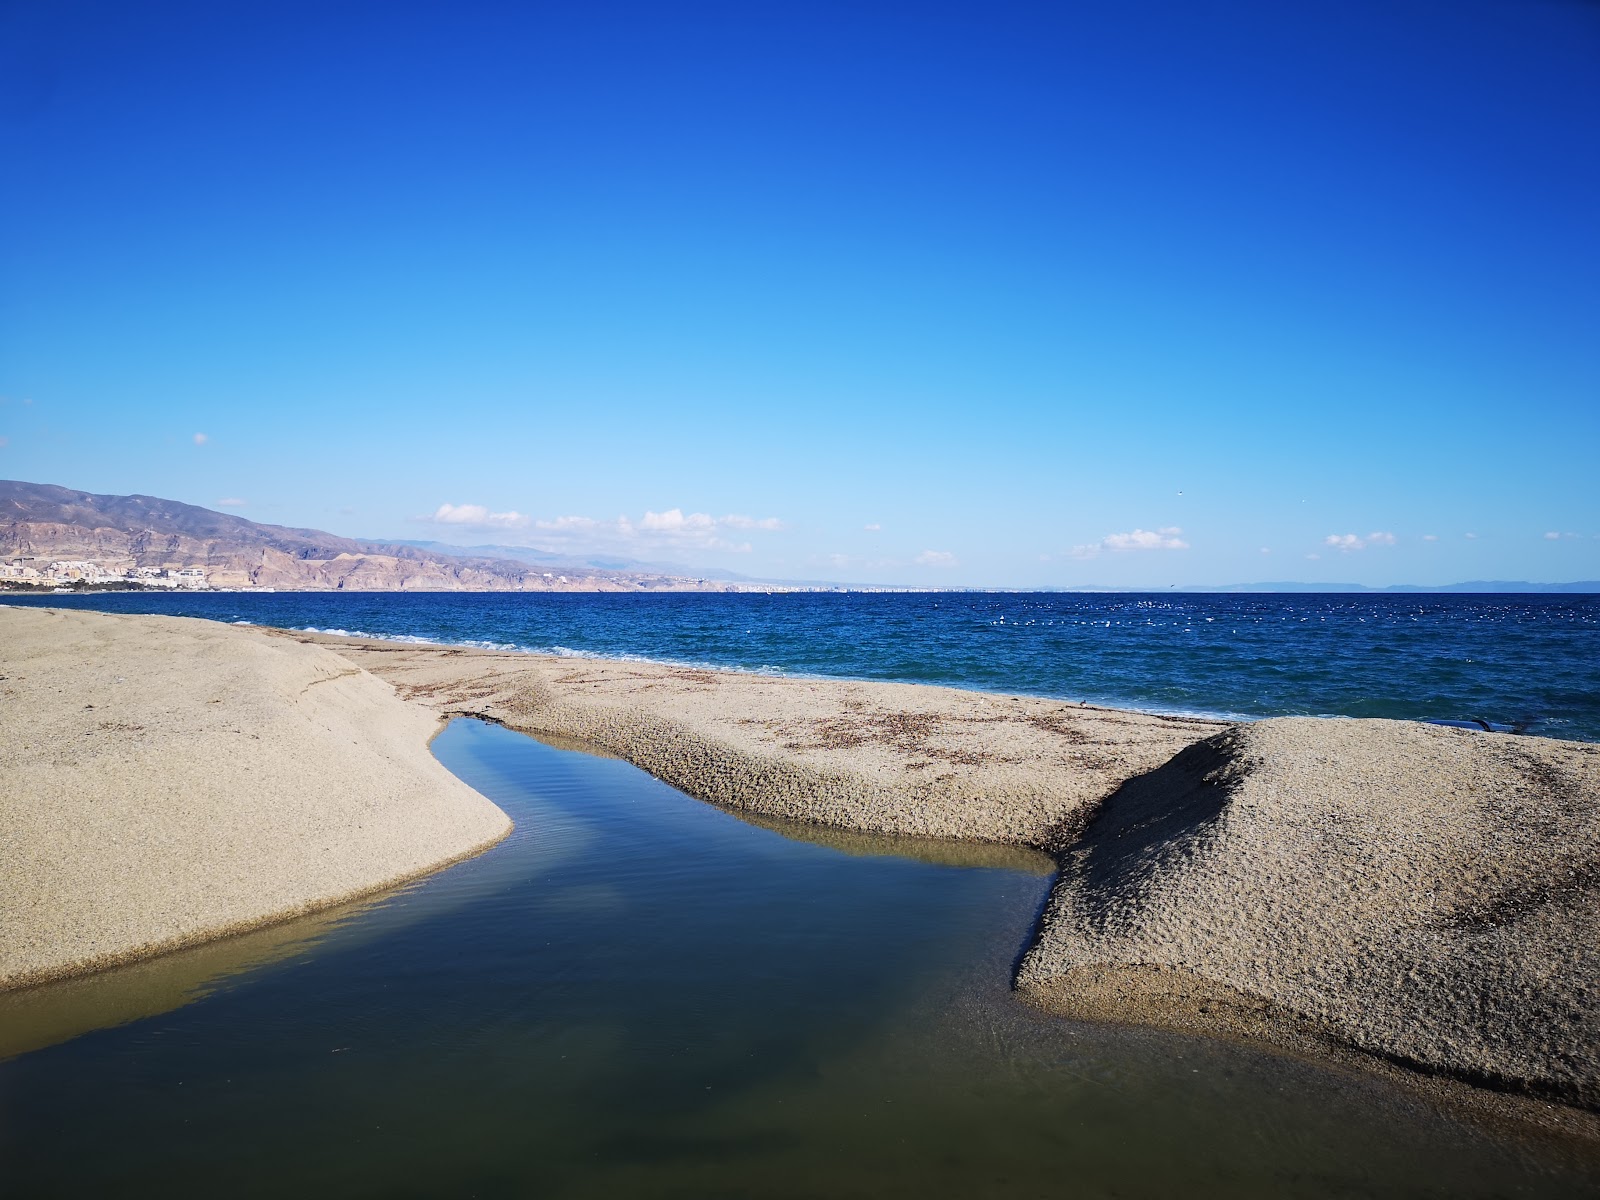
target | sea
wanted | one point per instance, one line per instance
(1519, 663)
(1516, 663)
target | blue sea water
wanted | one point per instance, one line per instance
(1530, 662)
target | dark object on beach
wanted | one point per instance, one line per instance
(1480, 723)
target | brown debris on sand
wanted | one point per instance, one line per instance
(879, 757)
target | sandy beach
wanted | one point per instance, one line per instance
(880, 757)
(169, 781)
(1411, 895)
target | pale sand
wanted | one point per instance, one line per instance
(164, 781)
(1424, 895)
(880, 757)
(1427, 895)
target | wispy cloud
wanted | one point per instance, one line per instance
(937, 558)
(873, 528)
(767, 524)
(1554, 536)
(1430, 537)
(1167, 538)
(475, 516)
(200, 439)
(852, 562)
(232, 502)
(1348, 543)
(668, 531)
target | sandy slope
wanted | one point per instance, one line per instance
(1428, 895)
(882, 757)
(163, 781)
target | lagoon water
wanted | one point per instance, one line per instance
(638, 994)
(1530, 662)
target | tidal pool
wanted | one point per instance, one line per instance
(640, 995)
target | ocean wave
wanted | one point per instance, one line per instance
(411, 639)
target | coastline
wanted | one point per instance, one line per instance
(890, 758)
(1408, 897)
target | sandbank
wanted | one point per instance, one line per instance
(1410, 894)
(167, 781)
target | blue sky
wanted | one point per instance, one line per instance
(1138, 293)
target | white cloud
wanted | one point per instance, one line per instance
(232, 502)
(1552, 536)
(841, 562)
(1266, 549)
(200, 439)
(1139, 539)
(673, 521)
(1347, 543)
(873, 528)
(654, 532)
(1430, 537)
(937, 558)
(1314, 557)
(1472, 537)
(475, 516)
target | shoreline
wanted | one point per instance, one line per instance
(1406, 898)
(877, 757)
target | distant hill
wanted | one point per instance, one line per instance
(1490, 586)
(549, 559)
(44, 522)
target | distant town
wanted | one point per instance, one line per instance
(68, 574)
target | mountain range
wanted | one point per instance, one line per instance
(47, 523)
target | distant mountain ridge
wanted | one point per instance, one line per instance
(1488, 586)
(550, 558)
(46, 522)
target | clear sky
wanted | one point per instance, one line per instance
(1073, 293)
